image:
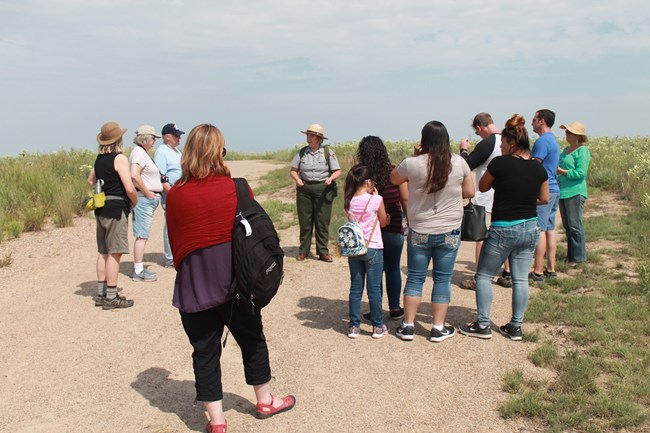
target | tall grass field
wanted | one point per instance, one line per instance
(602, 366)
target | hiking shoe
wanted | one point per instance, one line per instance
(474, 330)
(535, 277)
(397, 314)
(438, 336)
(512, 331)
(99, 300)
(468, 284)
(405, 332)
(379, 331)
(505, 281)
(117, 302)
(145, 276)
(548, 274)
(353, 332)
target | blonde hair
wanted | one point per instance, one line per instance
(203, 153)
(116, 147)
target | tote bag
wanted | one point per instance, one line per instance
(473, 227)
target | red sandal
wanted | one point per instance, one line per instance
(216, 428)
(267, 410)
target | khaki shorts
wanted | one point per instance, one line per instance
(112, 235)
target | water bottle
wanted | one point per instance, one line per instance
(99, 185)
(98, 195)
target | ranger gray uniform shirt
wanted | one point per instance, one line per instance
(313, 165)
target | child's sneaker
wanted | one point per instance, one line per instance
(353, 332)
(379, 331)
(474, 330)
(512, 331)
(405, 332)
(438, 336)
(532, 276)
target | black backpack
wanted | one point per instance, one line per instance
(257, 258)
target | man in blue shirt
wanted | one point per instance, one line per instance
(168, 160)
(547, 151)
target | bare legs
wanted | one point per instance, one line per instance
(108, 268)
(546, 246)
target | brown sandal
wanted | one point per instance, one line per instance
(267, 410)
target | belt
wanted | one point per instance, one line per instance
(313, 182)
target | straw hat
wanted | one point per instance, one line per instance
(315, 129)
(575, 128)
(110, 133)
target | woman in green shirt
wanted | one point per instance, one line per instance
(572, 178)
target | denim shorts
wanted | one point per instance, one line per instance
(143, 216)
(546, 213)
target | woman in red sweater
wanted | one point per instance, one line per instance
(200, 217)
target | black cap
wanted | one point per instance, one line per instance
(171, 128)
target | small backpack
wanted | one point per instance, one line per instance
(351, 242)
(257, 258)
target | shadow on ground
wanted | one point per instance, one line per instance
(177, 396)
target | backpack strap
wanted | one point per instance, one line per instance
(326, 152)
(362, 213)
(244, 201)
(374, 226)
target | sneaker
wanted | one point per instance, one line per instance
(438, 336)
(366, 316)
(397, 314)
(353, 332)
(468, 284)
(117, 302)
(379, 331)
(169, 264)
(145, 276)
(535, 277)
(512, 331)
(474, 330)
(548, 274)
(99, 300)
(505, 281)
(405, 332)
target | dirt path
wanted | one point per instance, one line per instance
(67, 366)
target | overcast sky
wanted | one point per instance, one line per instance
(263, 70)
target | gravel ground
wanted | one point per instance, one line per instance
(67, 366)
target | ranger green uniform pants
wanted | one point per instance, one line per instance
(314, 205)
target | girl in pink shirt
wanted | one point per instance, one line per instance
(364, 205)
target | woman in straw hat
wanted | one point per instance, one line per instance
(572, 178)
(315, 169)
(200, 214)
(112, 168)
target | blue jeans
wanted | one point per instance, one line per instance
(516, 243)
(393, 245)
(421, 248)
(366, 268)
(571, 213)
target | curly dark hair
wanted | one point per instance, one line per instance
(372, 154)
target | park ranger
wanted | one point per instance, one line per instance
(315, 169)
